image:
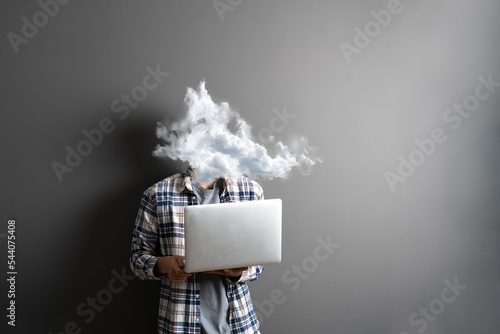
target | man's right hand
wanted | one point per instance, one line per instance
(172, 266)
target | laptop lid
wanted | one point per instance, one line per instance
(232, 235)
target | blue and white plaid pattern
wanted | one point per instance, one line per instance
(159, 231)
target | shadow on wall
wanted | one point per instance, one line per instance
(99, 293)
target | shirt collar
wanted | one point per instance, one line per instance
(186, 182)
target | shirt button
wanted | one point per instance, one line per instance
(197, 320)
(197, 296)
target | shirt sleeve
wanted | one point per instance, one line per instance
(260, 192)
(143, 255)
(251, 274)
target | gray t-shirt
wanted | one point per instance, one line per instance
(214, 306)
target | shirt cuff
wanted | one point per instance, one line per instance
(151, 266)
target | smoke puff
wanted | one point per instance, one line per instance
(216, 141)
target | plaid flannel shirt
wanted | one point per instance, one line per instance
(159, 231)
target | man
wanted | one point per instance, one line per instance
(212, 302)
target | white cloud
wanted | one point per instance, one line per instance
(217, 141)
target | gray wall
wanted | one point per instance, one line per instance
(396, 250)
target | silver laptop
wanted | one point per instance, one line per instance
(232, 235)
